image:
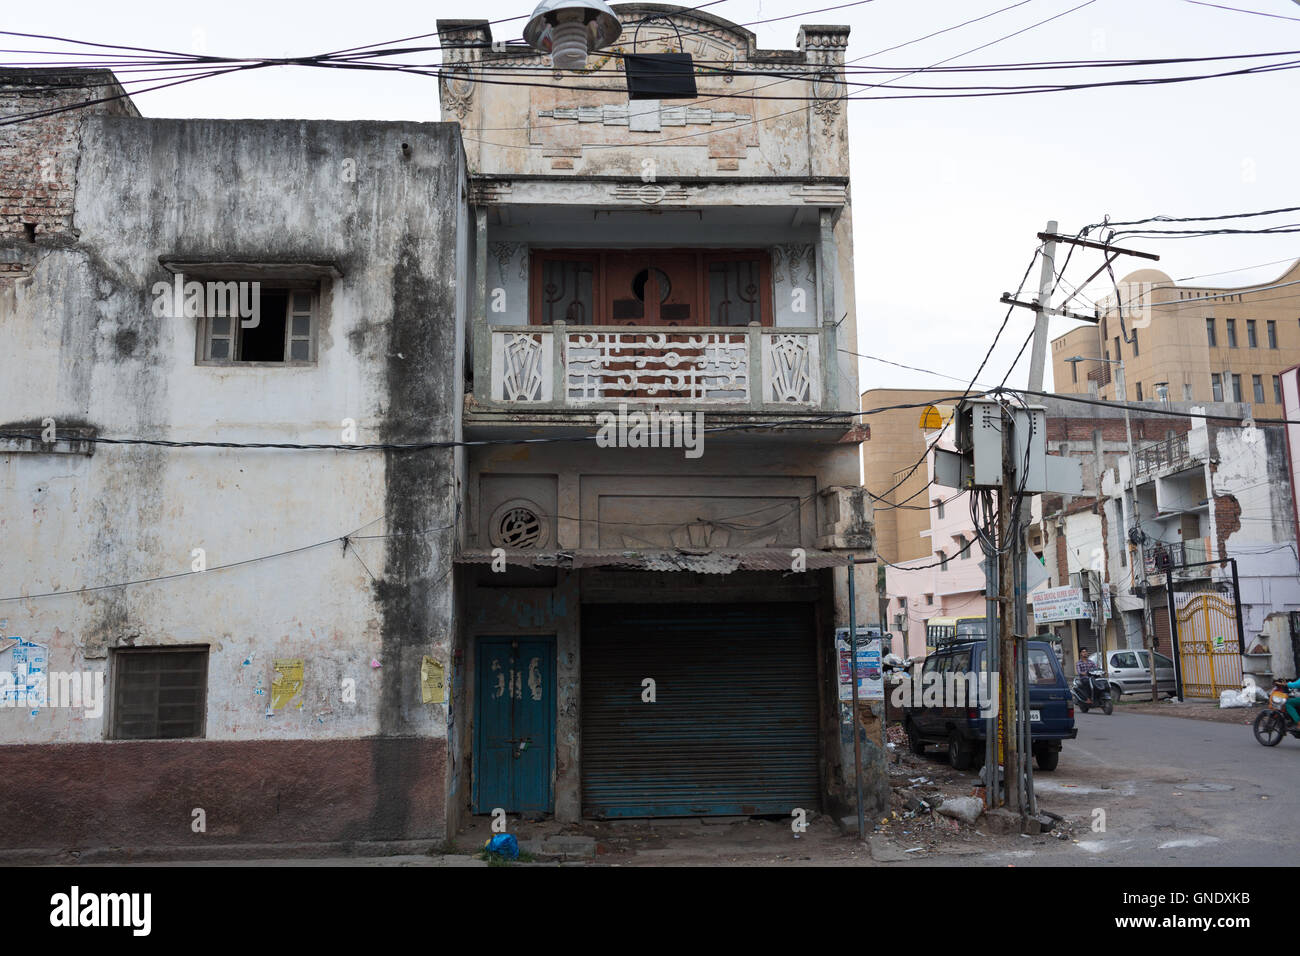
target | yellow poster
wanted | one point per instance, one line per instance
(433, 686)
(287, 684)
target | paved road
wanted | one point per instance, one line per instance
(1174, 791)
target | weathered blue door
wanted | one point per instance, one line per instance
(514, 728)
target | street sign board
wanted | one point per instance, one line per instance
(1059, 604)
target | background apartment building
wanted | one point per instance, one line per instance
(1187, 343)
(924, 530)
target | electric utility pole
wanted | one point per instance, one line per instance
(1015, 624)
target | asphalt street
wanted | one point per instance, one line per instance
(1174, 792)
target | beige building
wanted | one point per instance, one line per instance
(1201, 343)
(896, 443)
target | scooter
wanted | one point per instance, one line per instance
(1273, 723)
(1093, 691)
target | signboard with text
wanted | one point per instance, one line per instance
(1060, 604)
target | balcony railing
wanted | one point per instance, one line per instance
(576, 367)
(1185, 558)
(1159, 456)
(1100, 375)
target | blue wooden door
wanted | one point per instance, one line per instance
(514, 738)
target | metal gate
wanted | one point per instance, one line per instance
(733, 726)
(1209, 654)
(1204, 606)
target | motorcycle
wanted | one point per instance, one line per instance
(1093, 691)
(1273, 723)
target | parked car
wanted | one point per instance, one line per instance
(961, 728)
(1129, 672)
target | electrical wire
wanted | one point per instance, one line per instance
(1257, 13)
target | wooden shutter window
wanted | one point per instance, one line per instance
(652, 287)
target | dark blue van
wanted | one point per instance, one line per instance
(960, 727)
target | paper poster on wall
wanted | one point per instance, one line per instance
(433, 682)
(286, 686)
(22, 673)
(871, 684)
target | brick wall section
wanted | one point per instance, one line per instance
(1155, 428)
(1062, 560)
(1227, 521)
(38, 156)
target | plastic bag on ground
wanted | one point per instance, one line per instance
(503, 844)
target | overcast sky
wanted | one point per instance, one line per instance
(947, 195)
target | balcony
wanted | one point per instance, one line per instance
(1168, 455)
(1100, 375)
(1186, 559)
(583, 368)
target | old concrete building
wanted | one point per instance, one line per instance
(327, 456)
(258, 618)
(649, 631)
(1207, 491)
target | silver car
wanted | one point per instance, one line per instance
(1129, 672)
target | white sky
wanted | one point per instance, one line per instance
(948, 195)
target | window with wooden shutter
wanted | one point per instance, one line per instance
(652, 287)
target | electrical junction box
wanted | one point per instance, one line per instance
(977, 462)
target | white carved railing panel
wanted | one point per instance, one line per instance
(699, 368)
(522, 365)
(791, 369)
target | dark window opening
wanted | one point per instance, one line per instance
(285, 329)
(264, 342)
(29, 230)
(159, 693)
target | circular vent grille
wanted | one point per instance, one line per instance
(518, 525)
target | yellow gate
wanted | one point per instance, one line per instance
(1209, 652)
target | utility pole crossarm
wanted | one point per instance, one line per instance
(1105, 247)
(1038, 307)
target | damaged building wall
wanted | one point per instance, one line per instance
(349, 754)
(1254, 522)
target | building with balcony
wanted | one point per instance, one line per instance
(1206, 491)
(669, 611)
(383, 474)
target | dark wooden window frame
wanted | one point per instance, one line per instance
(114, 715)
(599, 285)
(205, 331)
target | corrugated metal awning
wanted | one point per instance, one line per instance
(701, 561)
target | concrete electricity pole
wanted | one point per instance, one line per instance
(1015, 624)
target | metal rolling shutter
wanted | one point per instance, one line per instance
(733, 730)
